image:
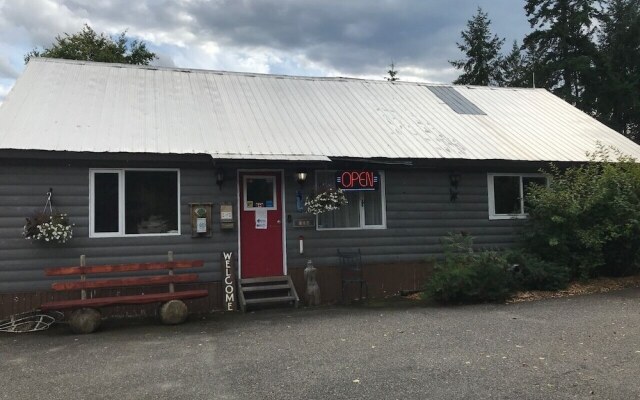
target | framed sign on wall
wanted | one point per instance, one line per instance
(200, 219)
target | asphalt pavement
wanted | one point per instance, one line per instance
(585, 347)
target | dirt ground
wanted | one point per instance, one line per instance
(591, 286)
(599, 285)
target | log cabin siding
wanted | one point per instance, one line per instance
(418, 206)
(23, 189)
(419, 214)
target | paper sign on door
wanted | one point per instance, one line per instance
(261, 218)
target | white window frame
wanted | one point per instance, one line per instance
(362, 212)
(121, 203)
(244, 192)
(492, 200)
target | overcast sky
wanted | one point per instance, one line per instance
(355, 38)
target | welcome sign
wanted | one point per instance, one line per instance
(229, 283)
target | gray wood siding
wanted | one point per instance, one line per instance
(23, 189)
(419, 213)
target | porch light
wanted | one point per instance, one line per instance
(454, 181)
(219, 177)
(301, 177)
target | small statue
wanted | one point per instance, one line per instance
(313, 290)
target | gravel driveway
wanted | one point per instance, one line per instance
(582, 347)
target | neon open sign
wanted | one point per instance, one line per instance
(357, 180)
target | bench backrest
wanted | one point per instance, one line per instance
(105, 269)
(84, 284)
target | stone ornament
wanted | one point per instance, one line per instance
(313, 290)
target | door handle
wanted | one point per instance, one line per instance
(279, 222)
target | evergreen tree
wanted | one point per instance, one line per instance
(515, 68)
(534, 76)
(393, 73)
(563, 32)
(89, 46)
(618, 100)
(482, 50)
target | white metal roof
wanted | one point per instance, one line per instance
(62, 105)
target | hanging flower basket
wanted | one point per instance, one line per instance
(48, 228)
(329, 200)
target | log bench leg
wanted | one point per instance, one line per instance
(173, 312)
(85, 320)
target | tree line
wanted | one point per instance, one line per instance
(587, 52)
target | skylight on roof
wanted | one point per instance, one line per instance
(456, 101)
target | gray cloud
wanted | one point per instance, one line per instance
(4, 90)
(6, 70)
(356, 37)
(346, 35)
(163, 59)
(39, 22)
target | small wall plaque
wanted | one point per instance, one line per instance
(304, 222)
(201, 225)
(201, 214)
(226, 217)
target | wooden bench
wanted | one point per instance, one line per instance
(86, 317)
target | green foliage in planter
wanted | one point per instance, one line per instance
(589, 217)
(465, 276)
(533, 273)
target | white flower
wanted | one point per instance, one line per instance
(325, 201)
(56, 230)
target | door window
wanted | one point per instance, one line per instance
(259, 192)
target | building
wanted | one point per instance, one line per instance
(134, 154)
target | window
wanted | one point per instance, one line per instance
(259, 192)
(365, 209)
(134, 202)
(508, 194)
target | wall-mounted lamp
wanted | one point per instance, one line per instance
(301, 177)
(454, 181)
(219, 177)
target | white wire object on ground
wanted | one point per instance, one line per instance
(31, 321)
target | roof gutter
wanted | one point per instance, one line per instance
(372, 161)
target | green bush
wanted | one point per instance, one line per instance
(465, 276)
(532, 273)
(588, 218)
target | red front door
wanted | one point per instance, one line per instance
(261, 224)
